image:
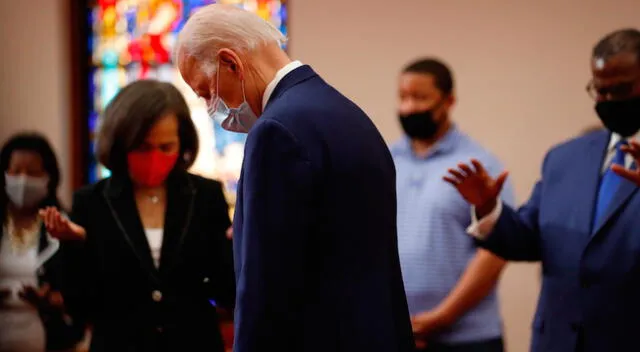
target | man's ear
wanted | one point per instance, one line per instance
(230, 61)
(450, 100)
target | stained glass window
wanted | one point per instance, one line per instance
(133, 39)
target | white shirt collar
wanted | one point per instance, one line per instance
(615, 138)
(274, 82)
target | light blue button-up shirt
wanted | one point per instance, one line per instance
(432, 240)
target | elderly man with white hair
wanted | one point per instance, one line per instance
(315, 241)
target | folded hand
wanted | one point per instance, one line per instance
(43, 298)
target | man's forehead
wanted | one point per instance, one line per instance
(189, 69)
(424, 83)
(417, 79)
(615, 64)
(184, 62)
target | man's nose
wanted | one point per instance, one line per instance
(605, 97)
(407, 107)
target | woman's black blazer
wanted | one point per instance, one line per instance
(116, 288)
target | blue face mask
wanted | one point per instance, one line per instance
(239, 119)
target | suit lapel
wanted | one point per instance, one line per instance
(180, 202)
(122, 206)
(586, 179)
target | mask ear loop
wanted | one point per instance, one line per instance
(244, 102)
(244, 97)
(217, 83)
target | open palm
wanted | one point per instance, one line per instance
(59, 226)
(475, 185)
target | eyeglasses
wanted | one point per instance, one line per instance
(619, 91)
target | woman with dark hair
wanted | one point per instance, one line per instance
(153, 266)
(31, 312)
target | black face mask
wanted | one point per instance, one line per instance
(620, 116)
(419, 125)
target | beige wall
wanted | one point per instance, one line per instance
(33, 75)
(521, 69)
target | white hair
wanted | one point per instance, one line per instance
(217, 26)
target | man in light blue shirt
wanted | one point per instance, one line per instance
(450, 284)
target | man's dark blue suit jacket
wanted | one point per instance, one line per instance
(590, 297)
(315, 241)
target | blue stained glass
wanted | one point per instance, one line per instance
(110, 58)
(225, 138)
(92, 18)
(110, 85)
(92, 87)
(283, 17)
(188, 7)
(130, 15)
(93, 121)
(104, 172)
(92, 174)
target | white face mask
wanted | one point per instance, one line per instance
(26, 191)
(239, 119)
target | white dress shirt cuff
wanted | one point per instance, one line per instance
(481, 229)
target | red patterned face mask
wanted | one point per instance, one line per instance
(150, 168)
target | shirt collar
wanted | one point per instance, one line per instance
(615, 138)
(274, 82)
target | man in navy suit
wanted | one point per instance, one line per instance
(315, 244)
(581, 220)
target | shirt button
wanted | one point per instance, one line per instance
(205, 280)
(156, 295)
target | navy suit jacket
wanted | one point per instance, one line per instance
(590, 297)
(315, 243)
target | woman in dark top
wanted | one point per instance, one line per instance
(153, 268)
(32, 316)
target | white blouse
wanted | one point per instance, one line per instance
(154, 238)
(17, 270)
(22, 328)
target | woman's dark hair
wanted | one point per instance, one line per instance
(132, 113)
(36, 143)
